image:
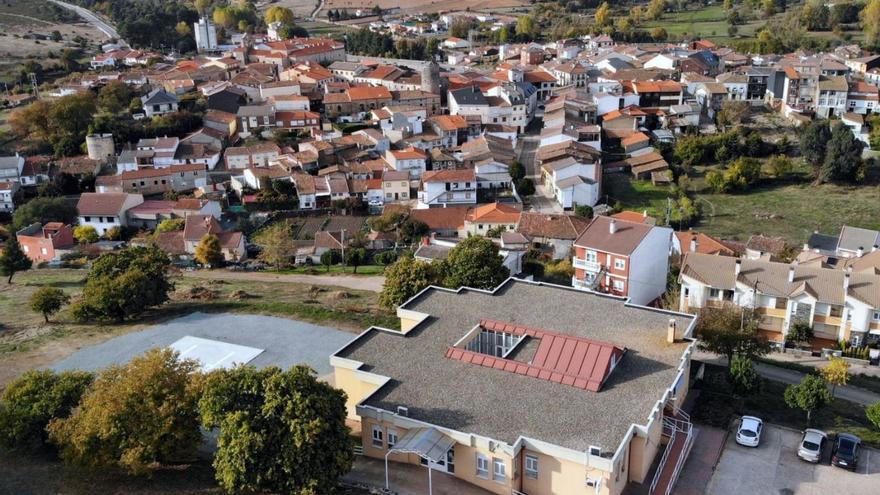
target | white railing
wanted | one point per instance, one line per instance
(682, 457)
(675, 427)
(591, 266)
(662, 459)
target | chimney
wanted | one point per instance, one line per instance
(806, 247)
(612, 226)
(874, 248)
(860, 252)
(693, 244)
(846, 280)
(736, 268)
(670, 331)
(791, 273)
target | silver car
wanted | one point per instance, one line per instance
(810, 448)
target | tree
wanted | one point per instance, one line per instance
(385, 257)
(656, 9)
(138, 416)
(729, 331)
(280, 431)
(603, 15)
(780, 166)
(202, 5)
(208, 251)
(870, 17)
(836, 372)
(742, 174)
(13, 259)
(85, 234)
(124, 283)
(34, 399)
(171, 225)
(583, 211)
(404, 279)
(813, 141)
(800, 333)
(815, 15)
(526, 27)
(732, 113)
(279, 14)
(659, 34)
(355, 257)
(474, 262)
(873, 414)
(809, 395)
(277, 246)
(516, 170)
(115, 97)
(843, 157)
(42, 211)
(743, 377)
(330, 258)
(48, 301)
(525, 187)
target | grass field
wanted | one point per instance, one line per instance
(717, 406)
(336, 269)
(27, 342)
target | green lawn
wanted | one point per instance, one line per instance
(717, 406)
(334, 270)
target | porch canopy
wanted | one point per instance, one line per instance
(428, 443)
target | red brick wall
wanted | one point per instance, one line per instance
(603, 259)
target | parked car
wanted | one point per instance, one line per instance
(812, 445)
(749, 433)
(846, 451)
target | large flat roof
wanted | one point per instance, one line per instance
(501, 405)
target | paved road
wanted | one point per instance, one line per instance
(852, 394)
(93, 19)
(527, 151)
(412, 64)
(315, 12)
(366, 282)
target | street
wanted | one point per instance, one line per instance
(93, 19)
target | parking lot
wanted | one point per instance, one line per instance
(773, 468)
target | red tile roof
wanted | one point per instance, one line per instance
(565, 359)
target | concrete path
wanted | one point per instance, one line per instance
(852, 394)
(700, 465)
(371, 283)
(407, 479)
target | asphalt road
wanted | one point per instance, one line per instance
(93, 19)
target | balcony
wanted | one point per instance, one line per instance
(590, 266)
(827, 320)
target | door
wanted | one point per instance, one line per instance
(444, 465)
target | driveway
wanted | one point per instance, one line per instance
(773, 468)
(371, 283)
(284, 342)
(543, 201)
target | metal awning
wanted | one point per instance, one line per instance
(426, 442)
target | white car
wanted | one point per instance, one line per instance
(749, 433)
(812, 444)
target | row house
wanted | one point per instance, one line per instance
(862, 98)
(838, 304)
(255, 119)
(657, 94)
(411, 160)
(105, 211)
(148, 181)
(258, 155)
(395, 186)
(451, 129)
(441, 188)
(831, 98)
(355, 103)
(8, 196)
(623, 258)
(572, 180)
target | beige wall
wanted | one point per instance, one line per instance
(355, 388)
(560, 476)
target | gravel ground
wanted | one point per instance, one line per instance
(285, 342)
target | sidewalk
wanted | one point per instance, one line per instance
(845, 392)
(407, 479)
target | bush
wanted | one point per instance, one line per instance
(873, 414)
(85, 234)
(743, 378)
(385, 257)
(525, 187)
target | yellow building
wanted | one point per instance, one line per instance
(527, 389)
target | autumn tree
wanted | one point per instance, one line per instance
(474, 262)
(277, 246)
(138, 416)
(171, 225)
(809, 395)
(729, 331)
(603, 15)
(279, 431)
(279, 14)
(124, 283)
(34, 399)
(656, 9)
(13, 259)
(870, 17)
(115, 97)
(405, 278)
(85, 234)
(48, 301)
(208, 251)
(836, 372)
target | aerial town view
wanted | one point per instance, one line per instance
(440, 247)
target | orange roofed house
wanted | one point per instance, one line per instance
(623, 258)
(480, 386)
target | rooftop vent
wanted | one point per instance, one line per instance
(403, 411)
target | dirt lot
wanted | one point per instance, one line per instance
(26, 342)
(307, 227)
(773, 468)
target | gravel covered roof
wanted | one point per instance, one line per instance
(503, 405)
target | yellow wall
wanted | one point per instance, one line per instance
(407, 324)
(559, 476)
(355, 388)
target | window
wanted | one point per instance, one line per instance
(482, 466)
(42, 250)
(590, 256)
(392, 438)
(619, 264)
(618, 285)
(87, 219)
(377, 436)
(715, 293)
(876, 315)
(531, 467)
(26, 249)
(498, 469)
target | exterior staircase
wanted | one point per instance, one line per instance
(680, 431)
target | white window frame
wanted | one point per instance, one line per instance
(499, 470)
(482, 466)
(378, 437)
(619, 264)
(392, 438)
(531, 467)
(591, 256)
(876, 315)
(618, 285)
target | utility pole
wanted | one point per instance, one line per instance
(343, 250)
(36, 89)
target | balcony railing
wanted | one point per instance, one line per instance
(590, 266)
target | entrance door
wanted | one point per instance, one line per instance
(446, 465)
